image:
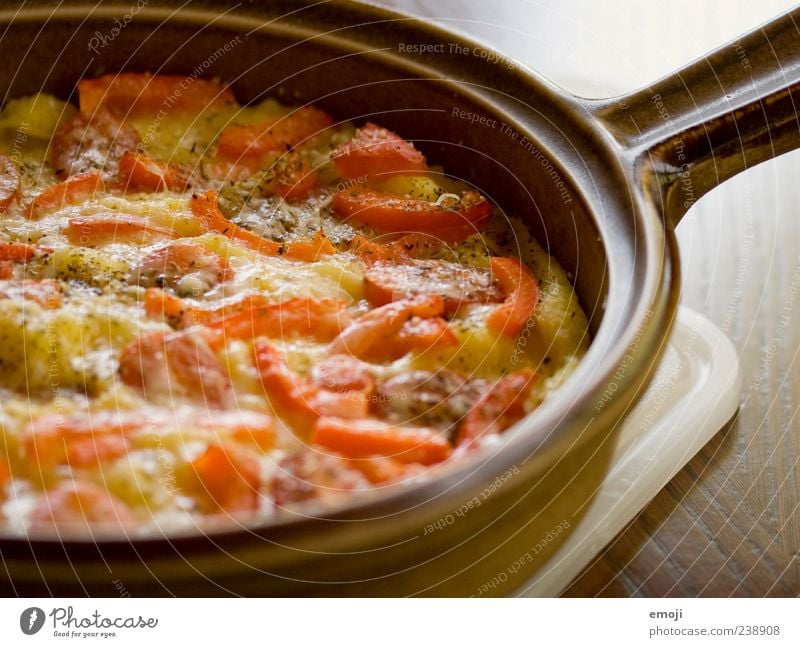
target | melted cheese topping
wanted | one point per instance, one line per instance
(65, 360)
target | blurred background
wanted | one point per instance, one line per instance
(728, 523)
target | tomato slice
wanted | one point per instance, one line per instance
(131, 93)
(398, 251)
(185, 266)
(251, 316)
(343, 373)
(9, 183)
(297, 399)
(159, 304)
(79, 504)
(167, 368)
(419, 335)
(365, 438)
(320, 319)
(390, 213)
(371, 329)
(305, 476)
(94, 230)
(73, 190)
(79, 441)
(456, 284)
(275, 136)
(140, 171)
(377, 152)
(500, 407)
(522, 294)
(84, 439)
(94, 142)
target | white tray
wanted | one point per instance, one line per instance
(694, 393)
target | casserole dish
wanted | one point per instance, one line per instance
(600, 183)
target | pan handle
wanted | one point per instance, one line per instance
(720, 115)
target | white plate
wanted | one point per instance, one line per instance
(694, 394)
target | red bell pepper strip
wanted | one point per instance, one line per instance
(522, 294)
(365, 438)
(389, 213)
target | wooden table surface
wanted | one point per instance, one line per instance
(727, 524)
